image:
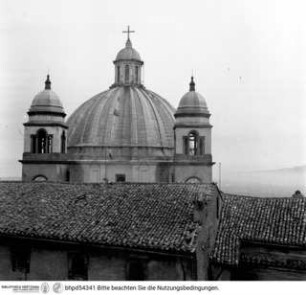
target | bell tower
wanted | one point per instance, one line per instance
(45, 138)
(192, 135)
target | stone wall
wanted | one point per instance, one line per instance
(53, 172)
(51, 262)
(96, 172)
(269, 263)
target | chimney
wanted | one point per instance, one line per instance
(298, 195)
(205, 214)
(200, 203)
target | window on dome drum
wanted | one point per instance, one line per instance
(136, 74)
(127, 74)
(120, 177)
(63, 143)
(78, 266)
(118, 74)
(20, 259)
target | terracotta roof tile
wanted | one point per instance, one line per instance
(279, 221)
(155, 216)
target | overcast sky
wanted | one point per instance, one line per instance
(248, 58)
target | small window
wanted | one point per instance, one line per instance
(118, 74)
(40, 178)
(185, 143)
(63, 143)
(67, 175)
(42, 142)
(78, 266)
(20, 257)
(120, 177)
(193, 179)
(136, 270)
(192, 143)
(49, 144)
(202, 145)
(33, 143)
(127, 74)
(136, 74)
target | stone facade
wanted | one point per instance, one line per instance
(102, 264)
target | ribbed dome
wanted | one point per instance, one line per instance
(47, 101)
(128, 53)
(123, 117)
(192, 103)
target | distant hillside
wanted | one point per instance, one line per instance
(270, 183)
(291, 170)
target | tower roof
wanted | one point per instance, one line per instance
(46, 101)
(192, 103)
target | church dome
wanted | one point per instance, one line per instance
(127, 121)
(47, 101)
(192, 103)
(130, 122)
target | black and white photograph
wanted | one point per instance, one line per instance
(152, 141)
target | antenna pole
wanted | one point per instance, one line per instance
(220, 175)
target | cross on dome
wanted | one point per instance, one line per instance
(128, 32)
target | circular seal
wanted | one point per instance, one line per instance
(45, 288)
(58, 288)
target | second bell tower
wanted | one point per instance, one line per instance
(192, 134)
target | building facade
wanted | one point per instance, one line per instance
(120, 231)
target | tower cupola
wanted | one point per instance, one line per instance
(47, 102)
(192, 104)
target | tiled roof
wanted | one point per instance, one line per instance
(277, 221)
(154, 216)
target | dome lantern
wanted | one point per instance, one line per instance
(128, 65)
